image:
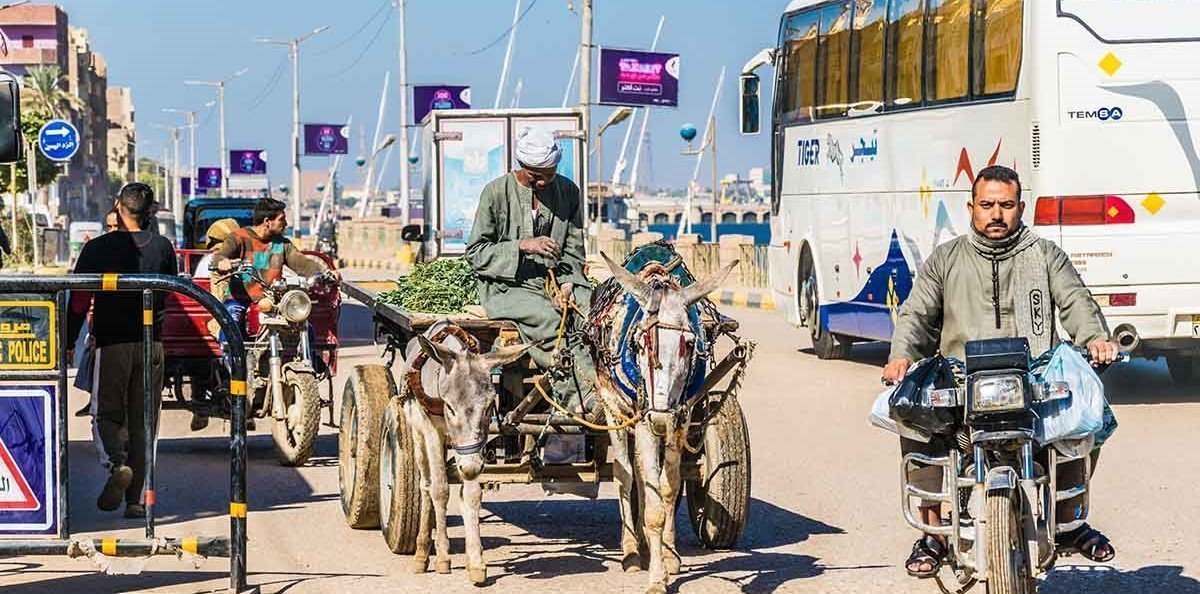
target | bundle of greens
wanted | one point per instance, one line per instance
(438, 287)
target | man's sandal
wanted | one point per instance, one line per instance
(1087, 541)
(927, 551)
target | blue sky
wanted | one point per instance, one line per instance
(154, 45)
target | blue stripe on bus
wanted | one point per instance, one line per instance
(869, 314)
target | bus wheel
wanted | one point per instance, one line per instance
(826, 345)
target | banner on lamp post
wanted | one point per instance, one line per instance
(326, 139)
(639, 78)
(185, 186)
(247, 162)
(427, 98)
(209, 178)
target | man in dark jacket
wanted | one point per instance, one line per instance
(117, 329)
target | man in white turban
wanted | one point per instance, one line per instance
(529, 224)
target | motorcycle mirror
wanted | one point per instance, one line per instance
(412, 233)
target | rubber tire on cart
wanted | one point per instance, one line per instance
(399, 482)
(366, 394)
(1185, 369)
(295, 442)
(1007, 554)
(719, 503)
(826, 345)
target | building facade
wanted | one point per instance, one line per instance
(122, 133)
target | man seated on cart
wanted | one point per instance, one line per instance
(526, 247)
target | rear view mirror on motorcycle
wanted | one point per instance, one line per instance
(412, 233)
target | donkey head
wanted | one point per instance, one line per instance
(664, 341)
(466, 390)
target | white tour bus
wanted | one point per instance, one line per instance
(885, 109)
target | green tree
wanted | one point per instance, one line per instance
(149, 172)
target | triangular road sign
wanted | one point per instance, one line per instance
(15, 494)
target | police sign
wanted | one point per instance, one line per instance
(27, 336)
(58, 140)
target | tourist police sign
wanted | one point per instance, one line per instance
(58, 140)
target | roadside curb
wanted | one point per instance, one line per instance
(742, 297)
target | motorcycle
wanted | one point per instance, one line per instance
(327, 246)
(999, 483)
(284, 379)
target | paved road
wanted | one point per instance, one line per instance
(824, 516)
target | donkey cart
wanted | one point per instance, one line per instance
(529, 441)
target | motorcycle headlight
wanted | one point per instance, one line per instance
(998, 393)
(295, 306)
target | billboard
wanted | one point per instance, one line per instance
(185, 186)
(467, 166)
(427, 98)
(248, 162)
(210, 178)
(637, 78)
(326, 139)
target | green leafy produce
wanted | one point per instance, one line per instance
(438, 287)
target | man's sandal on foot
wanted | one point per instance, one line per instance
(928, 551)
(1086, 541)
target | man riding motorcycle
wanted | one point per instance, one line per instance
(1000, 280)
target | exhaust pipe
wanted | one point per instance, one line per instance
(1126, 337)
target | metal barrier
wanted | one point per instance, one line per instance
(235, 546)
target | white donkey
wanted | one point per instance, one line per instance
(665, 347)
(451, 405)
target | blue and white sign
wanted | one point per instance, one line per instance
(28, 459)
(58, 140)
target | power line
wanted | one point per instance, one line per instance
(366, 49)
(503, 36)
(357, 32)
(269, 88)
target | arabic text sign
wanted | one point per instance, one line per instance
(28, 336)
(427, 98)
(210, 178)
(631, 77)
(58, 140)
(326, 139)
(248, 162)
(28, 460)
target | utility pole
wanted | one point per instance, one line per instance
(191, 126)
(223, 158)
(293, 46)
(402, 83)
(585, 101)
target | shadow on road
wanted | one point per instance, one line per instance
(356, 324)
(1099, 579)
(1145, 382)
(96, 583)
(192, 477)
(866, 353)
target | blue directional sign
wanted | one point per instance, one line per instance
(58, 140)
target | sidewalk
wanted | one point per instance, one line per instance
(751, 298)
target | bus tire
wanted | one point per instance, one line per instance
(826, 345)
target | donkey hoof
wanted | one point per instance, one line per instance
(442, 566)
(671, 563)
(419, 565)
(631, 562)
(477, 575)
(656, 588)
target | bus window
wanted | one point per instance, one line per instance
(906, 19)
(1000, 33)
(833, 68)
(800, 65)
(949, 47)
(870, 22)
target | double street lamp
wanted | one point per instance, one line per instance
(366, 201)
(191, 126)
(224, 157)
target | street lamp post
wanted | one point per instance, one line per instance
(618, 116)
(173, 190)
(710, 144)
(293, 46)
(191, 126)
(366, 201)
(224, 157)
(402, 84)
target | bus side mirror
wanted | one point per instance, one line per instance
(748, 104)
(412, 233)
(11, 147)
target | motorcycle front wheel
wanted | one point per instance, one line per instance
(296, 435)
(1007, 554)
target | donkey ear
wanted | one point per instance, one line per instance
(628, 281)
(437, 352)
(505, 355)
(700, 289)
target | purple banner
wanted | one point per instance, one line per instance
(326, 139)
(185, 186)
(210, 178)
(427, 98)
(248, 162)
(632, 77)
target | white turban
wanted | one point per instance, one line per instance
(537, 148)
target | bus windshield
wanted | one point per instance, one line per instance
(1134, 20)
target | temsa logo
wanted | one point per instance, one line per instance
(1103, 114)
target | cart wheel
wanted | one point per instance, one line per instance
(367, 393)
(296, 435)
(719, 503)
(399, 483)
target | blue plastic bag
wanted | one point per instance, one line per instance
(1081, 416)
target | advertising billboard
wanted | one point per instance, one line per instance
(209, 178)
(427, 98)
(638, 78)
(248, 162)
(326, 139)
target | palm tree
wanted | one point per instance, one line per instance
(44, 92)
